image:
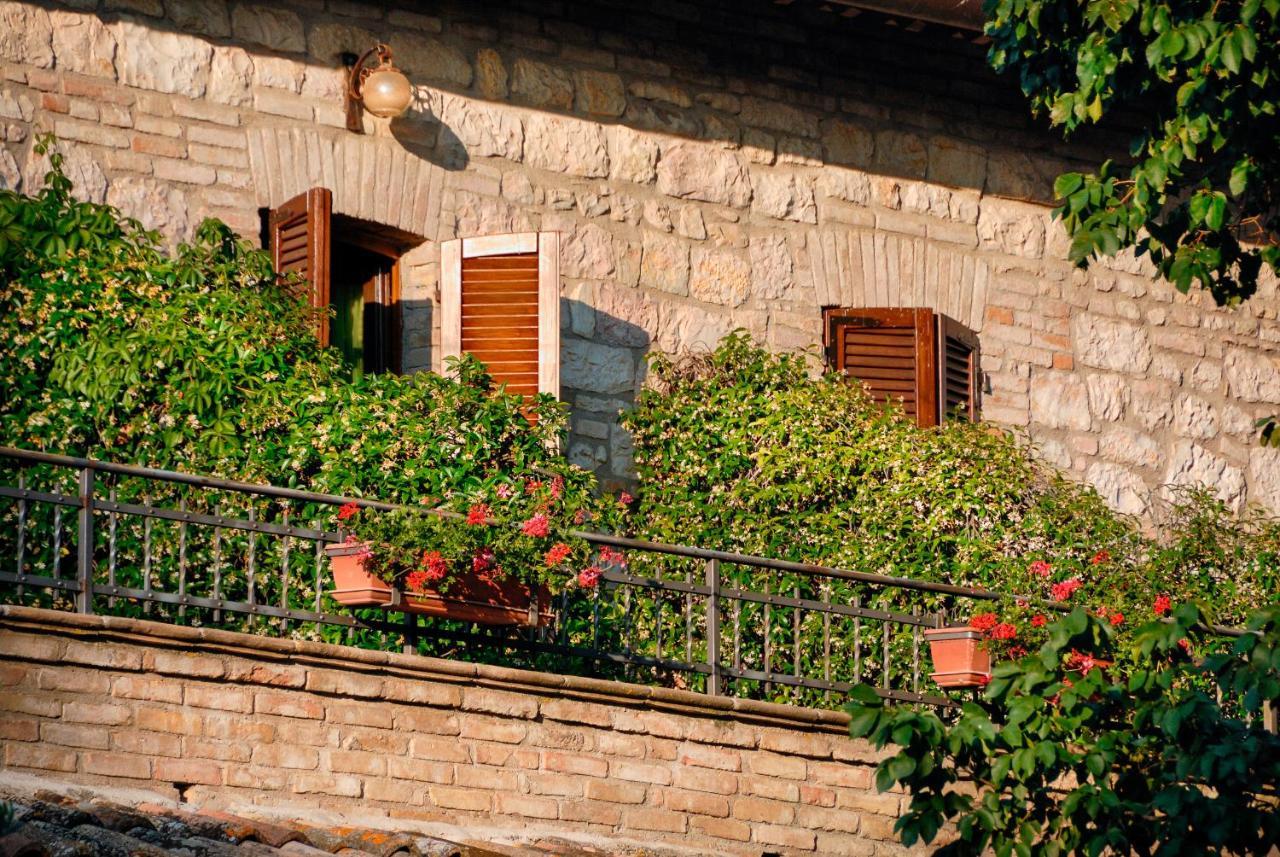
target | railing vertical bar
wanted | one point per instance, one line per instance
(915, 653)
(182, 558)
(22, 532)
(564, 616)
(657, 620)
(688, 620)
(217, 564)
(768, 636)
(410, 633)
(713, 627)
(884, 654)
(826, 637)
(84, 545)
(595, 617)
(57, 542)
(630, 626)
(146, 559)
(737, 630)
(284, 568)
(795, 631)
(319, 565)
(251, 568)
(111, 547)
(857, 641)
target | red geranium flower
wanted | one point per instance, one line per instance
(984, 679)
(1064, 590)
(559, 553)
(1004, 631)
(1039, 620)
(434, 566)
(538, 526)
(1117, 619)
(416, 581)
(348, 511)
(478, 515)
(557, 487)
(983, 621)
(482, 560)
(1100, 557)
(1163, 605)
(531, 485)
(589, 577)
(625, 499)
(1040, 568)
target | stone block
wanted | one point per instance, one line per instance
(689, 170)
(1106, 343)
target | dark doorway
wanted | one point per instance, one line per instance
(364, 297)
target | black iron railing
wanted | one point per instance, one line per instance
(96, 536)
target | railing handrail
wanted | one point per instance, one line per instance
(814, 569)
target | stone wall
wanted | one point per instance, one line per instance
(711, 165)
(231, 719)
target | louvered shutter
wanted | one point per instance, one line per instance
(500, 301)
(957, 370)
(913, 356)
(884, 349)
(299, 234)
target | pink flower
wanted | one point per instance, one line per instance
(1040, 568)
(1185, 644)
(348, 511)
(589, 577)
(1162, 606)
(557, 487)
(1004, 631)
(531, 485)
(1064, 590)
(538, 526)
(612, 557)
(983, 621)
(581, 516)
(1017, 651)
(559, 553)
(1039, 620)
(434, 566)
(482, 560)
(504, 491)
(478, 515)
(625, 499)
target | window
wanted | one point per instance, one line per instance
(500, 301)
(923, 359)
(352, 267)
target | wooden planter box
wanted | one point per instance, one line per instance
(960, 657)
(469, 599)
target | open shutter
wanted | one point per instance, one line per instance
(891, 351)
(957, 370)
(299, 233)
(500, 301)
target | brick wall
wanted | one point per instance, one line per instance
(711, 164)
(236, 719)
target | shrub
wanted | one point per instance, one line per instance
(200, 361)
(1143, 760)
(746, 451)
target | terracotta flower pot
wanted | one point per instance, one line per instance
(471, 598)
(960, 656)
(353, 586)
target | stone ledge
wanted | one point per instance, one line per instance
(392, 664)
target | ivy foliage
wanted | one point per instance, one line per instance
(1199, 190)
(1143, 760)
(198, 360)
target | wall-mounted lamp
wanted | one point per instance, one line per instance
(383, 89)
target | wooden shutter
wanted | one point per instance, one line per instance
(500, 301)
(912, 356)
(299, 234)
(958, 370)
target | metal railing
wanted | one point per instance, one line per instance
(95, 536)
